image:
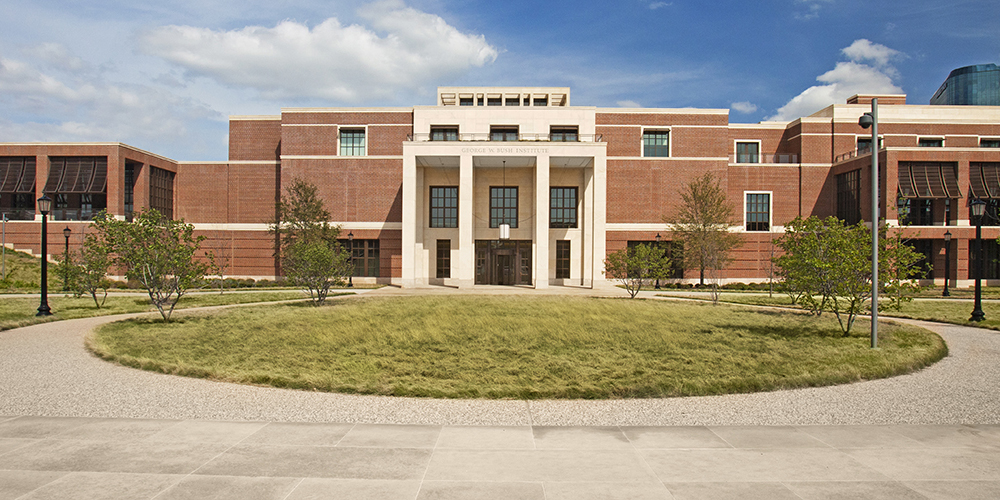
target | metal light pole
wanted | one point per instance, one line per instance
(871, 120)
(947, 262)
(350, 256)
(44, 207)
(657, 274)
(977, 207)
(66, 233)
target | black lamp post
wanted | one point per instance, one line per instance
(947, 262)
(350, 245)
(657, 247)
(66, 233)
(44, 207)
(977, 208)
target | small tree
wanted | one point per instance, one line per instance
(91, 273)
(157, 253)
(309, 253)
(832, 260)
(702, 225)
(636, 265)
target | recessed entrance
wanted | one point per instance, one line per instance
(503, 262)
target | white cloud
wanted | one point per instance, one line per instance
(628, 104)
(658, 5)
(58, 106)
(400, 49)
(864, 50)
(745, 107)
(812, 8)
(846, 79)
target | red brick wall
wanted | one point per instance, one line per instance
(254, 139)
(354, 189)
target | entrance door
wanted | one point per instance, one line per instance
(503, 262)
(504, 272)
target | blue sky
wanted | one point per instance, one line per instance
(165, 76)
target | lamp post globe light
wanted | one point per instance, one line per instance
(66, 233)
(977, 208)
(350, 258)
(947, 262)
(870, 120)
(44, 207)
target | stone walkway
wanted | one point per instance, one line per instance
(72, 426)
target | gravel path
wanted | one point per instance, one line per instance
(46, 371)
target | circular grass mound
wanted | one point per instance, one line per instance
(516, 347)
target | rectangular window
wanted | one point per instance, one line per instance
(758, 211)
(562, 259)
(923, 266)
(915, 212)
(541, 101)
(991, 259)
(352, 142)
(564, 134)
(444, 133)
(444, 206)
(849, 197)
(466, 101)
(928, 142)
(656, 143)
(129, 189)
(503, 206)
(494, 101)
(562, 204)
(443, 258)
(513, 101)
(506, 133)
(161, 191)
(747, 152)
(989, 143)
(365, 255)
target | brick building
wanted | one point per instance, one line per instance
(517, 186)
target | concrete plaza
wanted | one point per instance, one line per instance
(72, 426)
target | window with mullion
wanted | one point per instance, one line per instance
(443, 258)
(444, 206)
(444, 133)
(747, 152)
(656, 143)
(505, 134)
(562, 259)
(503, 206)
(758, 211)
(562, 213)
(352, 142)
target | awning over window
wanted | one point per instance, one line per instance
(17, 174)
(928, 180)
(984, 180)
(78, 174)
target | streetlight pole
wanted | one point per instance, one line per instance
(977, 207)
(947, 262)
(350, 257)
(658, 248)
(871, 120)
(66, 233)
(44, 206)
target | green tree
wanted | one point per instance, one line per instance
(828, 264)
(308, 250)
(156, 252)
(702, 225)
(91, 271)
(636, 265)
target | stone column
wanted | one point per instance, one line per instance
(466, 265)
(541, 263)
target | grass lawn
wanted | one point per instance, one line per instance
(515, 347)
(955, 311)
(16, 312)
